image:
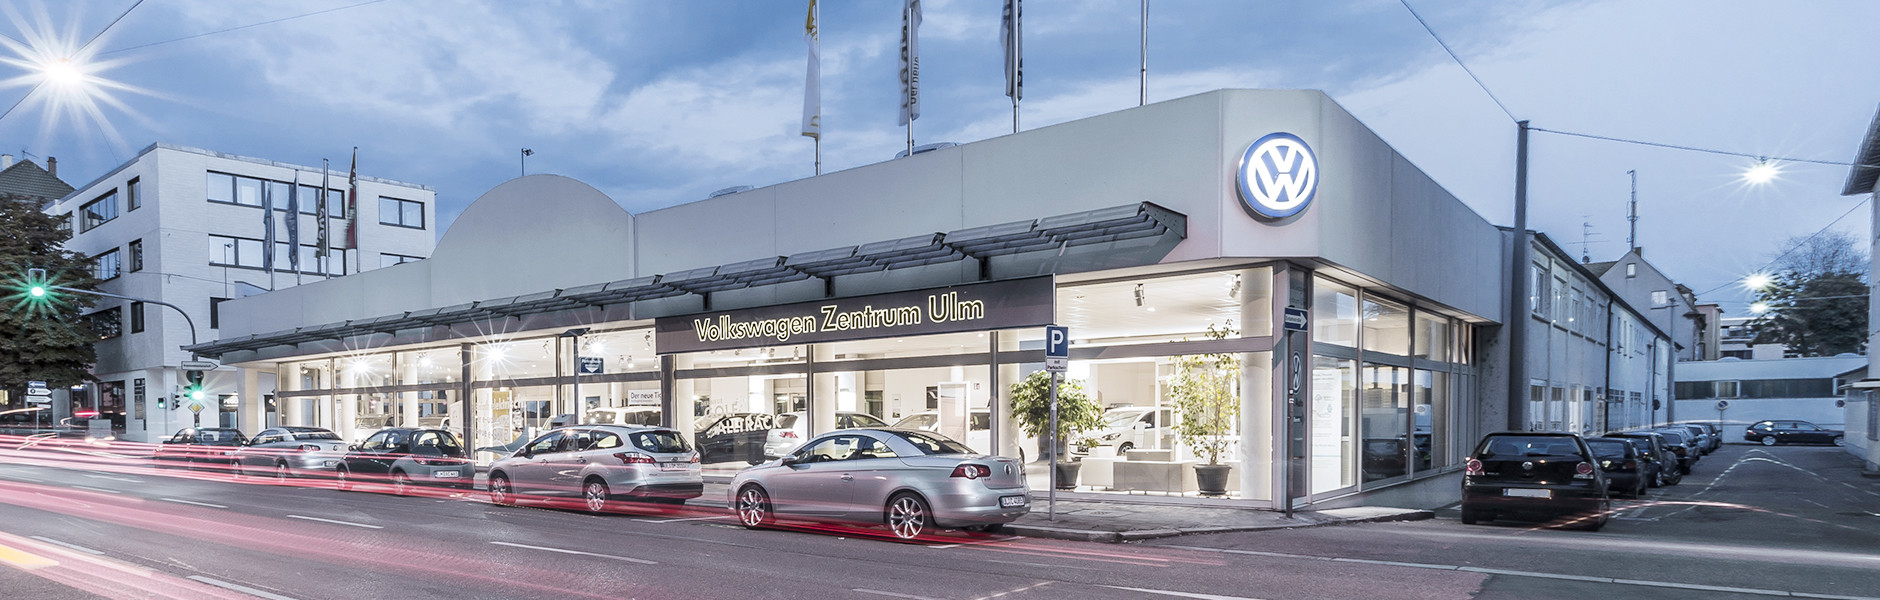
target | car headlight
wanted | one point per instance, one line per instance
(1112, 437)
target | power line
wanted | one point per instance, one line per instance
(239, 27)
(1698, 149)
(1804, 242)
(1459, 63)
(81, 50)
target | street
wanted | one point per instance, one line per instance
(1751, 521)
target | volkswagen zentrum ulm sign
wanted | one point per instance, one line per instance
(1278, 176)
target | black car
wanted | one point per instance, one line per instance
(1787, 431)
(734, 437)
(405, 458)
(1537, 475)
(213, 447)
(1658, 457)
(1624, 466)
(1683, 445)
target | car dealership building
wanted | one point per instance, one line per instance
(1362, 302)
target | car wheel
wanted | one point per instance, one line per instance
(281, 472)
(594, 495)
(401, 483)
(235, 468)
(908, 516)
(754, 507)
(344, 476)
(499, 489)
(1124, 448)
(1769, 440)
(1470, 516)
(1840, 441)
(990, 528)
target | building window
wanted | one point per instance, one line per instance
(225, 251)
(1727, 389)
(232, 189)
(1631, 270)
(134, 193)
(215, 312)
(403, 213)
(386, 260)
(1660, 298)
(98, 212)
(137, 255)
(310, 201)
(1537, 289)
(65, 223)
(107, 323)
(105, 266)
(137, 317)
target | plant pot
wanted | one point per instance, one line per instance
(1067, 474)
(1212, 479)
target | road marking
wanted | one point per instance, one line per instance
(564, 551)
(238, 587)
(1179, 594)
(685, 519)
(977, 542)
(1508, 572)
(93, 489)
(24, 478)
(180, 501)
(114, 478)
(23, 559)
(893, 594)
(68, 546)
(350, 523)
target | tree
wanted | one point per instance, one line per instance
(41, 339)
(1031, 405)
(1816, 302)
(1205, 396)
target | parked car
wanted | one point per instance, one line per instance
(1683, 445)
(406, 457)
(600, 464)
(793, 427)
(211, 446)
(738, 437)
(283, 452)
(978, 426)
(1132, 427)
(1658, 457)
(910, 480)
(1542, 475)
(1786, 431)
(1700, 436)
(1716, 435)
(1623, 465)
(627, 415)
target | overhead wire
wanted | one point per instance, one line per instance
(239, 27)
(1459, 63)
(1804, 242)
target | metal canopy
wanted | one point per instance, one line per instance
(1121, 223)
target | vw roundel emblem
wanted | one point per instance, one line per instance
(1528, 465)
(1278, 176)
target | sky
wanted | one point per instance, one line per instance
(660, 103)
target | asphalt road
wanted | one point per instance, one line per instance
(135, 532)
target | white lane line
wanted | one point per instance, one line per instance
(565, 551)
(1514, 573)
(685, 519)
(1179, 594)
(114, 478)
(976, 542)
(893, 594)
(23, 478)
(93, 489)
(238, 587)
(67, 546)
(181, 501)
(349, 523)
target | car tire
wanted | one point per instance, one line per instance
(1470, 516)
(235, 469)
(401, 483)
(990, 528)
(754, 507)
(1840, 441)
(282, 473)
(908, 516)
(1124, 448)
(343, 476)
(1769, 440)
(594, 495)
(499, 489)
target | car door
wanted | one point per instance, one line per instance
(818, 484)
(261, 450)
(1810, 433)
(565, 465)
(874, 471)
(374, 460)
(529, 473)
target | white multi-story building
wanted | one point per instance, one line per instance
(186, 227)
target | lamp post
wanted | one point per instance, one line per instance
(575, 334)
(526, 153)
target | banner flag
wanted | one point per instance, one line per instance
(292, 221)
(910, 61)
(267, 227)
(812, 81)
(1014, 51)
(352, 203)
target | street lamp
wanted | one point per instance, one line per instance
(576, 334)
(1762, 172)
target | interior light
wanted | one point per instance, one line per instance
(1139, 295)
(1233, 290)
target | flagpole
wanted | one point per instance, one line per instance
(326, 223)
(1145, 54)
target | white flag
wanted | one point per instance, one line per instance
(812, 82)
(910, 62)
(1014, 55)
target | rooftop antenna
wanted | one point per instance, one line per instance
(1587, 239)
(1631, 239)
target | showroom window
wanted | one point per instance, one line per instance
(1334, 313)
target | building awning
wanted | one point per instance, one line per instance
(1048, 236)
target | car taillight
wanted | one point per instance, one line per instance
(694, 459)
(1631, 465)
(1583, 470)
(1475, 467)
(634, 458)
(971, 471)
(309, 448)
(789, 434)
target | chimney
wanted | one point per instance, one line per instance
(6, 160)
(52, 165)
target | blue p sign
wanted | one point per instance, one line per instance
(1057, 342)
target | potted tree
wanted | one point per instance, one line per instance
(1207, 407)
(1077, 413)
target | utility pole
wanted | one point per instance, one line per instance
(1518, 290)
(1631, 239)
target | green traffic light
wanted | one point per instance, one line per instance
(38, 291)
(195, 394)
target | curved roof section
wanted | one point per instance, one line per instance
(536, 232)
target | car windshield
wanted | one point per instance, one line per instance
(1120, 419)
(867, 420)
(664, 442)
(785, 422)
(436, 442)
(216, 436)
(931, 443)
(1515, 446)
(1607, 448)
(316, 435)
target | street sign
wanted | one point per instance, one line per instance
(196, 407)
(38, 391)
(199, 365)
(37, 384)
(1296, 319)
(590, 365)
(1057, 349)
(1723, 404)
(38, 400)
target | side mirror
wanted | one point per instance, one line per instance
(1139, 426)
(352, 447)
(788, 460)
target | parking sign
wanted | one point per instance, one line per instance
(1057, 348)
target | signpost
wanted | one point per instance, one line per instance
(1296, 319)
(591, 365)
(199, 365)
(1057, 359)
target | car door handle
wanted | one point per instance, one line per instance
(848, 477)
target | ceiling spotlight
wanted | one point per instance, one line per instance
(1138, 294)
(1233, 291)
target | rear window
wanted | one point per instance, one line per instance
(1515, 446)
(665, 442)
(1607, 448)
(316, 435)
(217, 436)
(436, 442)
(785, 422)
(929, 443)
(1672, 436)
(867, 420)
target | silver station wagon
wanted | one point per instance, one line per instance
(599, 464)
(913, 481)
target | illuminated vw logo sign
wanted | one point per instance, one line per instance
(1278, 176)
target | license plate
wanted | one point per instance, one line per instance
(329, 463)
(1527, 493)
(1012, 501)
(446, 473)
(674, 466)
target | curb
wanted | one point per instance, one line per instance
(1114, 537)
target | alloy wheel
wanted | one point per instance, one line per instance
(1769, 440)
(595, 494)
(344, 476)
(281, 473)
(907, 516)
(753, 507)
(401, 483)
(499, 490)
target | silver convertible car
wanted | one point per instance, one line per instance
(910, 480)
(598, 464)
(283, 452)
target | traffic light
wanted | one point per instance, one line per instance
(37, 286)
(194, 388)
(162, 402)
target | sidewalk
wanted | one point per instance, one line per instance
(1116, 518)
